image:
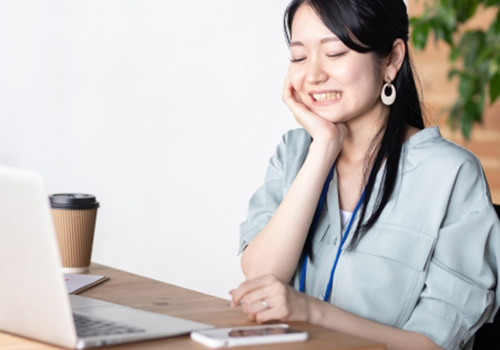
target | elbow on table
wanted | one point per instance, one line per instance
(249, 269)
(255, 264)
(252, 271)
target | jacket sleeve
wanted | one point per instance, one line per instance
(281, 171)
(461, 290)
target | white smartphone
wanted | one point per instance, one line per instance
(252, 335)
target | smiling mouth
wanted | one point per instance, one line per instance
(327, 96)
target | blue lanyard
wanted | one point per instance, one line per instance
(317, 214)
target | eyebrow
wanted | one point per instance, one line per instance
(322, 41)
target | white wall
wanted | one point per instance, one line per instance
(166, 110)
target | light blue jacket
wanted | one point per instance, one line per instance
(430, 264)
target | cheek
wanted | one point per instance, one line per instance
(295, 84)
(360, 79)
(350, 74)
(297, 81)
(296, 78)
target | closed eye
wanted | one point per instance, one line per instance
(336, 54)
(296, 60)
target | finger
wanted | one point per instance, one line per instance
(251, 316)
(266, 315)
(297, 98)
(259, 299)
(277, 310)
(239, 293)
(287, 305)
(266, 298)
(235, 298)
(258, 294)
(257, 304)
(287, 76)
(293, 101)
(287, 90)
(248, 287)
(289, 93)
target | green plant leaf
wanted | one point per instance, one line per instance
(484, 53)
(466, 86)
(465, 9)
(494, 87)
(495, 26)
(455, 53)
(448, 37)
(453, 72)
(494, 65)
(466, 125)
(419, 35)
(492, 3)
(470, 44)
(455, 114)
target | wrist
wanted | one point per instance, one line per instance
(314, 310)
(326, 150)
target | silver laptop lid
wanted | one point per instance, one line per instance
(33, 298)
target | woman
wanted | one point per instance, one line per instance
(367, 223)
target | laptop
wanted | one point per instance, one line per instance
(33, 298)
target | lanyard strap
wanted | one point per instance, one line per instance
(317, 214)
(312, 230)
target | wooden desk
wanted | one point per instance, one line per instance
(147, 294)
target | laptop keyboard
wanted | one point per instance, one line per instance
(91, 327)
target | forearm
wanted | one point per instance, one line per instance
(277, 248)
(330, 316)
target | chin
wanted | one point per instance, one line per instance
(329, 117)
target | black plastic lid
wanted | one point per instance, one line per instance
(73, 201)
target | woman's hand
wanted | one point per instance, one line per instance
(267, 298)
(318, 127)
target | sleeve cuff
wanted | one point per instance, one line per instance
(248, 234)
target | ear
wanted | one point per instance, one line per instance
(395, 60)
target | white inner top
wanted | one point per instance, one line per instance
(344, 218)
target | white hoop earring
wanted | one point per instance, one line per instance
(388, 99)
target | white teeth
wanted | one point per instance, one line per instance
(327, 96)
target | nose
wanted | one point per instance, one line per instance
(316, 73)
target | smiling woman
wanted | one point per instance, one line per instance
(324, 71)
(350, 229)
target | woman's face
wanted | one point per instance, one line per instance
(335, 82)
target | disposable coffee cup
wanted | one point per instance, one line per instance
(74, 220)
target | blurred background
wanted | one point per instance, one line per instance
(167, 111)
(440, 93)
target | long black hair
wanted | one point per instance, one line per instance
(372, 26)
